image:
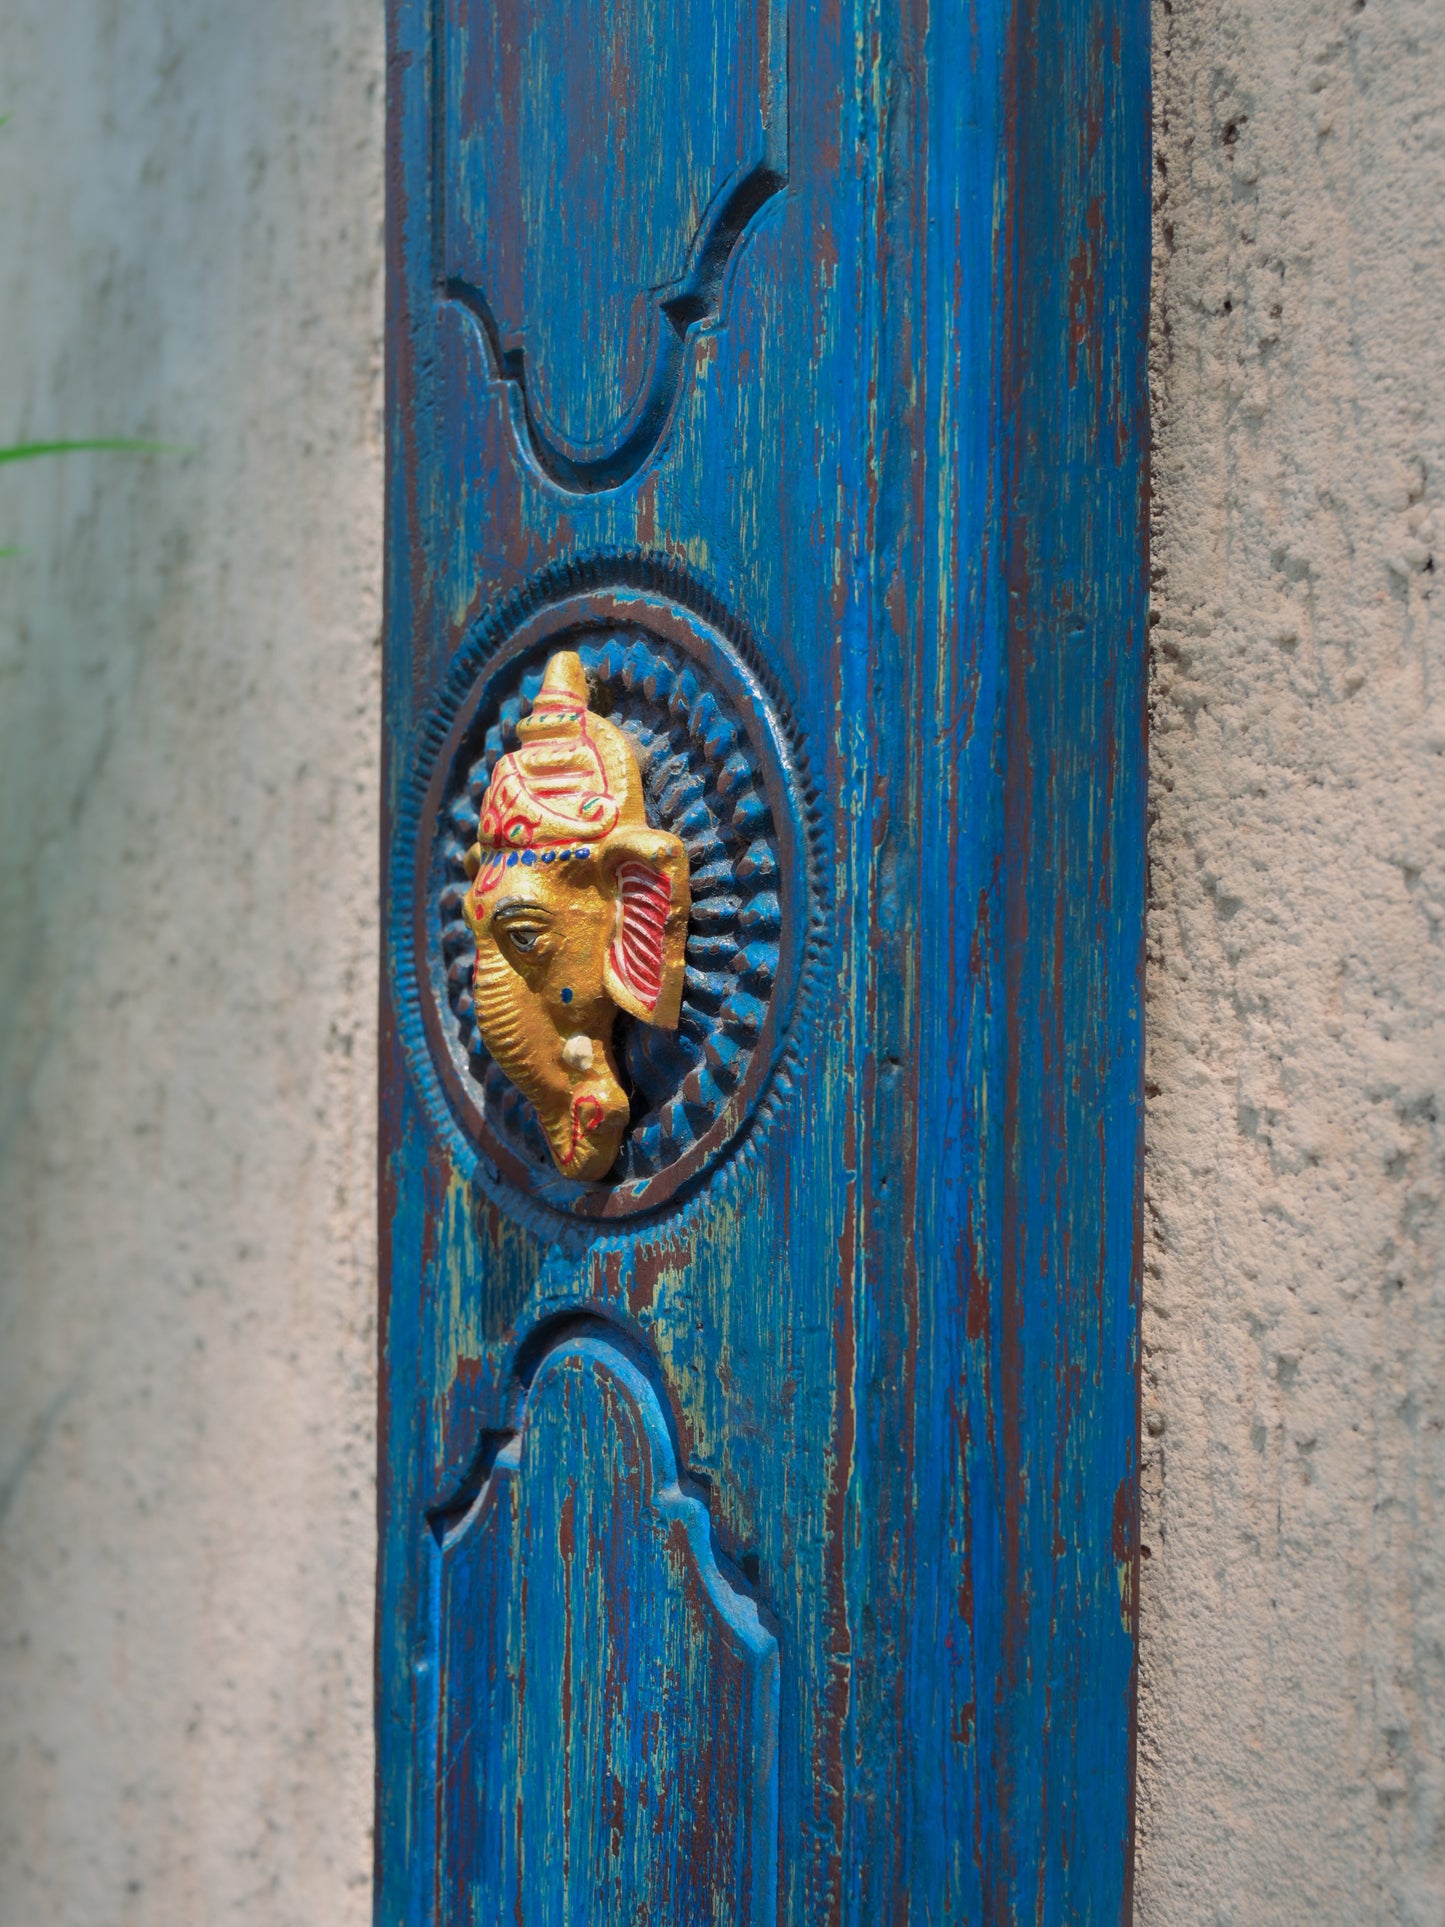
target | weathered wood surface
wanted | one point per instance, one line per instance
(900, 438)
(608, 1702)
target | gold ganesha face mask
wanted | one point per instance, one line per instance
(579, 910)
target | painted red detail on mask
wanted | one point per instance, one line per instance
(488, 876)
(587, 1114)
(644, 894)
(552, 789)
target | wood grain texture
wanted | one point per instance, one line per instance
(607, 1702)
(895, 1335)
(538, 105)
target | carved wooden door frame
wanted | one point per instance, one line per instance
(781, 364)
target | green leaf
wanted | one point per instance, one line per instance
(27, 451)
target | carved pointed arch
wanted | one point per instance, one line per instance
(607, 1706)
(653, 133)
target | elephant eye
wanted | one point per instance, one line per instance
(524, 930)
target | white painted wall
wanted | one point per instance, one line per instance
(190, 213)
(1293, 1713)
(190, 216)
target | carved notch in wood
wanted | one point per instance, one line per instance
(606, 1721)
(652, 133)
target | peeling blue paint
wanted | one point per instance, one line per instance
(891, 1343)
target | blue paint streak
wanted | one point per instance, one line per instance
(899, 1330)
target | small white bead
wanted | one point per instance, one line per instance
(577, 1053)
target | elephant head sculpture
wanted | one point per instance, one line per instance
(579, 910)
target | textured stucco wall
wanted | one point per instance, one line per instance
(190, 215)
(1293, 1711)
(190, 247)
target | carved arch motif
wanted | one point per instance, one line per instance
(606, 1726)
(649, 132)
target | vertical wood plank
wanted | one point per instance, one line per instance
(895, 1332)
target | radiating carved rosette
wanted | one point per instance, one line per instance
(719, 774)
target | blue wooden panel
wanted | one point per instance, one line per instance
(896, 473)
(542, 147)
(607, 1702)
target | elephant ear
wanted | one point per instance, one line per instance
(643, 971)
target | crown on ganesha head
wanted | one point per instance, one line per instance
(572, 789)
(574, 778)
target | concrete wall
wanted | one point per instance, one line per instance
(190, 218)
(1293, 1715)
(189, 247)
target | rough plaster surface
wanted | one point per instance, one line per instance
(1292, 1762)
(189, 246)
(190, 212)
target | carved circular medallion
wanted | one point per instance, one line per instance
(719, 772)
